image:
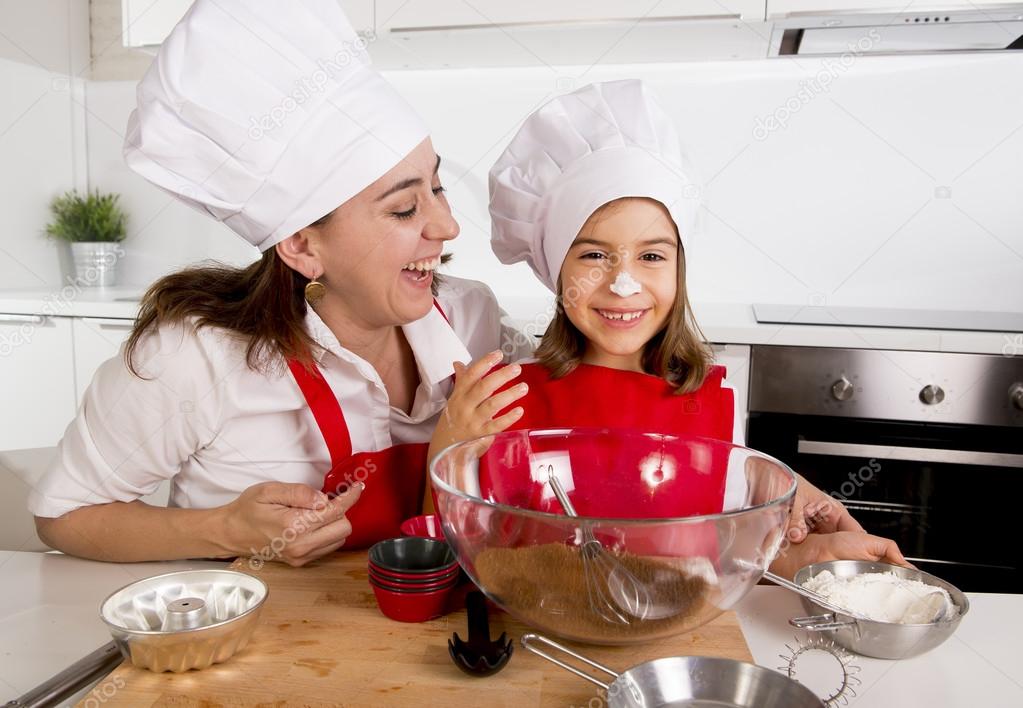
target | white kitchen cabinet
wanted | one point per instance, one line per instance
(96, 340)
(429, 14)
(484, 33)
(494, 33)
(736, 358)
(147, 23)
(780, 8)
(37, 380)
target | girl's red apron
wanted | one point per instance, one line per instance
(394, 478)
(600, 397)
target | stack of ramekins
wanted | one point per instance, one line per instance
(412, 577)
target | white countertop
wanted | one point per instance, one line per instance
(49, 611)
(721, 322)
(727, 323)
(980, 666)
(49, 619)
(735, 323)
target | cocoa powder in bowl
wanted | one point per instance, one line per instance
(545, 585)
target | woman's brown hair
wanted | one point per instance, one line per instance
(264, 303)
(678, 353)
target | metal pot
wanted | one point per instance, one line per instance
(882, 640)
(96, 262)
(687, 681)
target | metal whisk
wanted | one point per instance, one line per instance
(612, 588)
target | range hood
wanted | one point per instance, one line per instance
(971, 28)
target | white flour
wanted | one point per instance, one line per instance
(884, 597)
(625, 285)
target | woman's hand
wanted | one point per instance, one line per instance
(840, 545)
(813, 511)
(293, 523)
(473, 402)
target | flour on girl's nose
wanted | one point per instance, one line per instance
(625, 285)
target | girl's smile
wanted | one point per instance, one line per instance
(621, 318)
(630, 241)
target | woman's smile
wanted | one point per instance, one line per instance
(419, 274)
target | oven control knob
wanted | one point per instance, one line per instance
(1016, 395)
(932, 395)
(842, 390)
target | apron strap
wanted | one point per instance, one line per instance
(441, 311)
(325, 407)
(326, 410)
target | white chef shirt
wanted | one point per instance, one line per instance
(203, 419)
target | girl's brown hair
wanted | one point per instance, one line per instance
(678, 353)
(263, 303)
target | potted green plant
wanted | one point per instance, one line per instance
(94, 226)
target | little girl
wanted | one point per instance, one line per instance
(594, 194)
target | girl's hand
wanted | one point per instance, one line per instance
(840, 545)
(473, 402)
(293, 523)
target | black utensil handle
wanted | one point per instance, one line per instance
(75, 677)
(479, 624)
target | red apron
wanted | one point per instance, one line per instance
(394, 478)
(601, 397)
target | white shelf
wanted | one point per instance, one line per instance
(116, 302)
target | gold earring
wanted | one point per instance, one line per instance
(314, 291)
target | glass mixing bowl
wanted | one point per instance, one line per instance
(671, 531)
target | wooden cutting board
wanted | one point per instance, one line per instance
(323, 642)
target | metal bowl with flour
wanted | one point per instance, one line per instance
(882, 640)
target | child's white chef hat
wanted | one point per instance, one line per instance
(266, 115)
(576, 153)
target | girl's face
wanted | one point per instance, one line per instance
(635, 235)
(377, 251)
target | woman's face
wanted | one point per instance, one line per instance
(378, 250)
(633, 235)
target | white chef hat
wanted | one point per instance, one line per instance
(576, 153)
(266, 115)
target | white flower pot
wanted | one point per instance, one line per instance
(96, 263)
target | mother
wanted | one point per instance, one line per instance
(333, 351)
(230, 385)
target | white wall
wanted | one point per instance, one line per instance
(60, 130)
(163, 234)
(899, 185)
(44, 53)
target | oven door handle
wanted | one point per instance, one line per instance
(910, 454)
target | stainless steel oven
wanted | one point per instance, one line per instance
(923, 447)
